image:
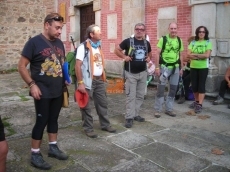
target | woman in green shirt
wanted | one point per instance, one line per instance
(199, 52)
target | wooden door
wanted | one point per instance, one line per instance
(87, 17)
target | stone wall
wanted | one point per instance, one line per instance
(19, 21)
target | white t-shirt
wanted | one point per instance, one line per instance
(97, 60)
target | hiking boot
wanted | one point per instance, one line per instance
(128, 123)
(157, 114)
(193, 105)
(139, 118)
(55, 152)
(91, 134)
(198, 108)
(109, 129)
(181, 100)
(218, 101)
(38, 161)
(170, 113)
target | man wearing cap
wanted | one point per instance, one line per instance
(91, 80)
(45, 53)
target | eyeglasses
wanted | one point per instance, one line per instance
(201, 31)
(137, 29)
(57, 18)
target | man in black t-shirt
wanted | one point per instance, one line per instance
(137, 53)
(46, 86)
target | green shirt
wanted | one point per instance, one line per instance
(200, 47)
(171, 51)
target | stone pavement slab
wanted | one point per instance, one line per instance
(172, 159)
(183, 143)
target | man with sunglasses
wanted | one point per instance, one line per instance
(137, 53)
(45, 53)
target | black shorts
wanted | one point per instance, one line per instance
(2, 134)
(198, 79)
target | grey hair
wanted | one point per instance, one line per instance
(90, 29)
(139, 24)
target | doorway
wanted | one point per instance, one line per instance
(87, 17)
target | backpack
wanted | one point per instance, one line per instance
(180, 88)
(132, 49)
(71, 59)
(161, 60)
(190, 94)
(132, 43)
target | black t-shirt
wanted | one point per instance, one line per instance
(138, 63)
(45, 67)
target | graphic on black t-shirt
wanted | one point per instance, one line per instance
(139, 53)
(51, 66)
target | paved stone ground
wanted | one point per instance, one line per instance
(180, 144)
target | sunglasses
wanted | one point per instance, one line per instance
(142, 30)
(201, 31)
(57, 18)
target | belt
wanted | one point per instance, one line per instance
(97, 77)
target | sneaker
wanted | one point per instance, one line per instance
(193, 105)
(198, 108)
(170, 113)
(157, 114)
(181, 100)
(91, 134)
(218, 101)
(55, 152)
(128, 123)
(109, 129)
(139, 118)
(38, 161)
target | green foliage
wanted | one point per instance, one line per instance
(7, 125)
(9, 71)
(23, 98)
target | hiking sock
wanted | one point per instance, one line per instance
(35, 150)
(54, 142)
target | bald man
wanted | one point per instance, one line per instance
(168, 69)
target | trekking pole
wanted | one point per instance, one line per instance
(72, 42)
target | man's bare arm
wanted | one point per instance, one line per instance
(119, 52)
(22, 64)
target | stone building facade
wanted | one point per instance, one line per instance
(117, 19)
(19, 21)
